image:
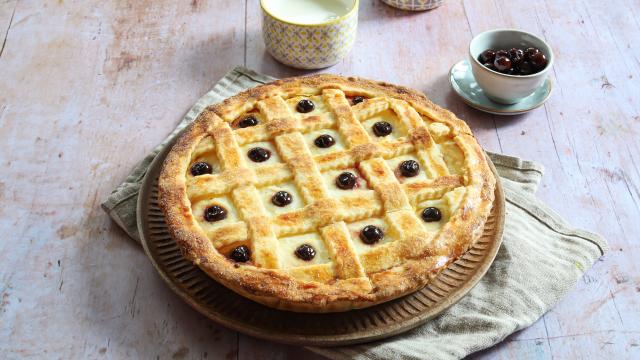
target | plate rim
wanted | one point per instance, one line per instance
(380, 332)
(548, 82)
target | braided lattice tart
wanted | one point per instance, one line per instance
(325, 193)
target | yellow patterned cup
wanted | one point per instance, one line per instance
(414, 5)
(309, 34)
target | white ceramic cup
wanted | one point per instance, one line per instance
(503, 88)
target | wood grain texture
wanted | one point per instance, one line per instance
(88, 87)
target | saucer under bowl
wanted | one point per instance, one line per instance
(466, 86)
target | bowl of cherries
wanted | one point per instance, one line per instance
(508, 64)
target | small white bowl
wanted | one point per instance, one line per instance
(503, 88)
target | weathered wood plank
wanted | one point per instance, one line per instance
(87, 89)
(586, 137)
(252, 348)
(7, 11)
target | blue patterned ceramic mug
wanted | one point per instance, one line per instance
(309, 34)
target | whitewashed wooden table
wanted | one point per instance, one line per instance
(87, 88)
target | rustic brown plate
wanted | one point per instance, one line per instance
(357, 326)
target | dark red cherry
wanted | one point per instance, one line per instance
(305, 106)
(487, 56)
(530, 52)
(382, 128)
(526, 68)
(500, 53)
(502, 64)
(431, 214)
(259, 154)
(516, 56)
(248, 121)
(305, 252)
(371, 234)
(201, 168)
(409, 168)
(215, 213)
(281, 199)
(346, 181)
(324, 141)
(538, 60)
(489, 66)
(240, 254)
(357, 100)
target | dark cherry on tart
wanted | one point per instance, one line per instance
(357, 100)
(305, 106)
(259, 154)
(240, 254)
(281, 199)
(305, 252)
(201, 168)
(431, 214)
(371, 234)
(409, 168)
(346, 181)
(324, 141)
(514, 61)
(215, 213)
(382, 128)
(247, 121)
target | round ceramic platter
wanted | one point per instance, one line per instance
(357, 326)
(465, 85)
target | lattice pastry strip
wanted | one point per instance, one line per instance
(205, 146)
(228, 234)
(252, 134)
(272, 174)
(346, 263)
(411, 231)
(431, 189)
(385, 184)
(348, 125)
(310, 123)
(293, 149)
(369, 108)
(227, 148)
(361, 206)
(426, 149)
(234, 172)
(428, 153)
(349, 157)
(279, 118)
(222, 183)
(263, 239)
(413, 239)
(299, 221)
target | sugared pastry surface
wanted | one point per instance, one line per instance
(325, 193)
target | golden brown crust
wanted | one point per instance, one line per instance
(457, 178)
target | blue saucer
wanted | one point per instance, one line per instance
(465, 85)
